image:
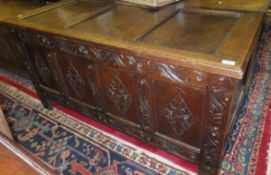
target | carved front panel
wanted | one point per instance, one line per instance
(179, 112)
(165, 101)
(178, 100)
(80, 78)
(120, 88)
(41, 62)
(120, 94)
(153, 97)
(38, 54)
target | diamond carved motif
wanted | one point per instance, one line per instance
(75, 80)
(119, 95)
(178, 115)
(42, 68)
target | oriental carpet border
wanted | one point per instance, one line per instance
(247, 152)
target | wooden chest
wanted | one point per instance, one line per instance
(173, 77)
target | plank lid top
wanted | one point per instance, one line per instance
(215, 41)
(246, 5)
(10, 8)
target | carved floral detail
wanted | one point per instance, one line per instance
(78, 49)
(116, 59)
(25, 36)
(75, 80)
(119, 95)
(179, 115)
(40, 39)
(219, 99)
(180, 75)
(45, 41)
(72, 48)
(145, 119)
(144, 86)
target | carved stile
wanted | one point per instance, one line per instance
(215, 123)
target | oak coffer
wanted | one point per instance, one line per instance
(173, 77)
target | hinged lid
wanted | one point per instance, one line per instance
(214, 41)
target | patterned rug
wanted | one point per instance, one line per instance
(72, 144)
(72, 147)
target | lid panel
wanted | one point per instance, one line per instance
(196, 38)
(125, 22)
(246, 5)
(69, 15)
(194, 32)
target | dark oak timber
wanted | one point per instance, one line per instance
(172, 77)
